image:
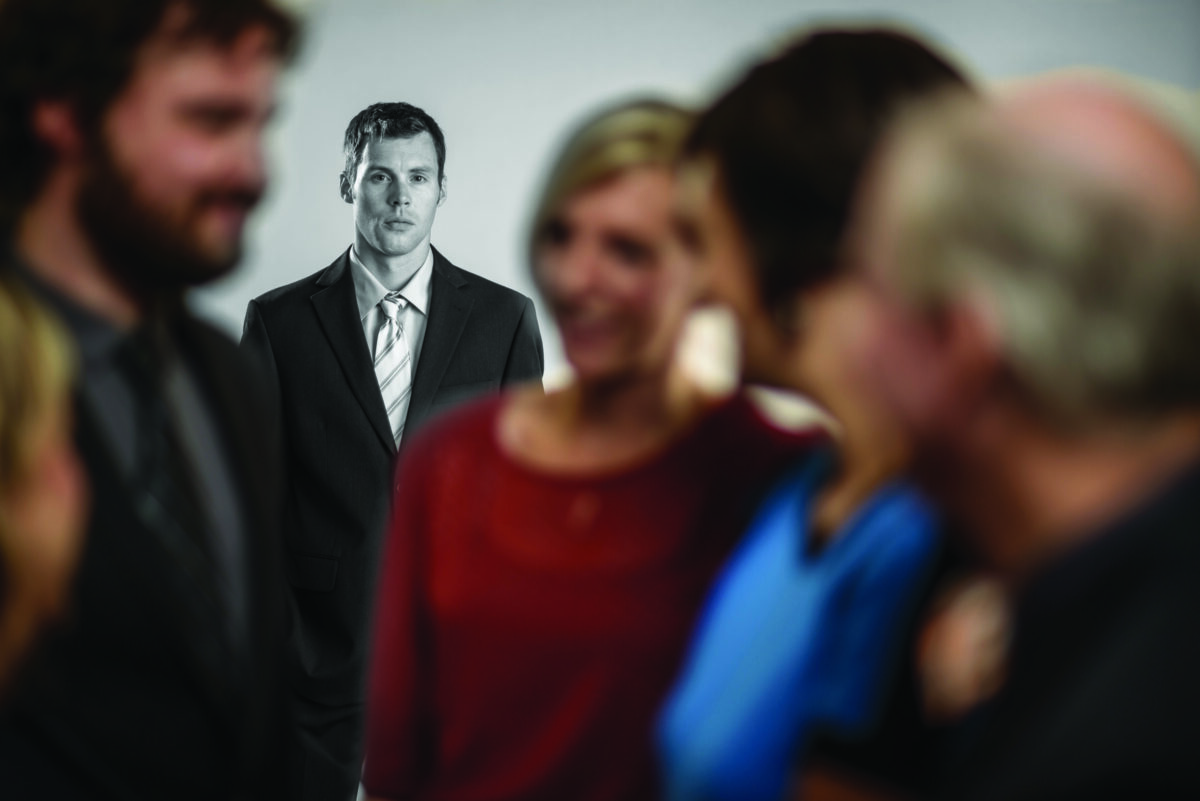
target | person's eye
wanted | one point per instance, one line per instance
(420, 179)
(379, 178)
(555, 233)
(634, 254)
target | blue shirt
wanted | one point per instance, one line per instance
(792, 640)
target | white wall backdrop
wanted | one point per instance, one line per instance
(506, 78)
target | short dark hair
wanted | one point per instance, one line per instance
(83, 52)
(389, 121)
(790, 141)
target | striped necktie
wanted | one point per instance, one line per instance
(393, 363)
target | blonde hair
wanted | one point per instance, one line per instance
(1096, 297)
(643, 133)
(37, 364)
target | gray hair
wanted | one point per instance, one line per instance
(1096, 298)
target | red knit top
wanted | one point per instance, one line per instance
(529, 624)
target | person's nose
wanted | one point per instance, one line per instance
(703, 289)
(576, 271)
(245, 172)
(247, 163)
(400, 194)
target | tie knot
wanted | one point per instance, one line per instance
(391, 305)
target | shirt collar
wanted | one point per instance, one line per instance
(368, 291)
(95, 337)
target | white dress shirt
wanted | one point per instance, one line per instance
(413, 317)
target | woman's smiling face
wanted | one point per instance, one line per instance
(612, 272)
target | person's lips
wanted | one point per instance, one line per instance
(585, 331)
(230, 216)
(230, 207)
(243, 200)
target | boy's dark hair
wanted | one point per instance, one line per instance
(389, 121)
(83, 52)
(790, 141)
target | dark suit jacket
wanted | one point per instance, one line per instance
(479, 337)
(129, 699)
(1101, 697)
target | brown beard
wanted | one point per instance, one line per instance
(150, 254)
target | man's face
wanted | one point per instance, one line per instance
(177, 164)
(910, 360)
(396, 192)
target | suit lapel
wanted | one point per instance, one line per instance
(226, 404)
(449, 308)
(252, 457)
(120, 529)
(337, 311)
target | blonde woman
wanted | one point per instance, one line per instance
(549, 552)
(42, 488)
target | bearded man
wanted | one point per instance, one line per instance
(132, 133)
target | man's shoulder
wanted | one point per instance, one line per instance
(216, 346)
(200, 329)
(483, 288)
(300, 289)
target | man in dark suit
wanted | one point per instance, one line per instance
(132, 138)
(362, 353)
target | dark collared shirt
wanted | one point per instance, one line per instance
(110, 399)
